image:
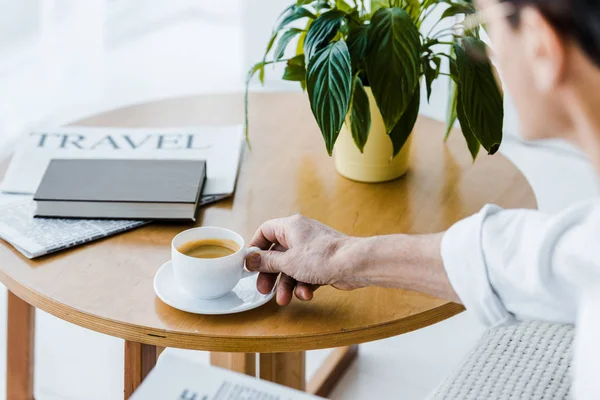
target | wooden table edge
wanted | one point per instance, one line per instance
(254, 344)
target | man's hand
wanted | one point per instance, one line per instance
(309, 254)
(305, 251)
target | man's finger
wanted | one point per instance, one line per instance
(265, 282)
(268, 261)
(285, 290)
(278, 247)
(268, 233)
(305, 291)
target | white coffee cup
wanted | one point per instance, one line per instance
(209, 278)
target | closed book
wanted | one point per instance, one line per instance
(121, 189)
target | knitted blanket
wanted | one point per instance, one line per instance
(526, 360)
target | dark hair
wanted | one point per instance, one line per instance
(577, 19)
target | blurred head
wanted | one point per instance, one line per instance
(548, 52)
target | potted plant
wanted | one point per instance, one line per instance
(363, 68)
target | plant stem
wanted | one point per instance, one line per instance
(444, 55)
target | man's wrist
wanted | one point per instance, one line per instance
(354, 258)
(410, 262)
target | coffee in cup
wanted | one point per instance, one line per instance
(209, 248)
(208, 261)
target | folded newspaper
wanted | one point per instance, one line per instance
(36, 237)
(219, 146)
(177, 378)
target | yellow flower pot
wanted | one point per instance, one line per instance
(375, 164)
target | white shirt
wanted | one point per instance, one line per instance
(524, 264)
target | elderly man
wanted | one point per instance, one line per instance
(503, 265)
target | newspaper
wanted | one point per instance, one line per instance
(219, 146)
(178, 378)
(36, 237)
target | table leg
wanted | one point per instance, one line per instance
(139, 361)
(287, 369)
(332, 370)
(19, 352)
(244, 363)
(159, 350)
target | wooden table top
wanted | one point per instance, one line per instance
(107, 285)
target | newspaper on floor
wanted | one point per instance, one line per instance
(36, 237)
(178, 378)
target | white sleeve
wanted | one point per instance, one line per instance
(523, 264)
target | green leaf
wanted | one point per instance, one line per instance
(259, 66)
(303, 2)
(429, 77)
(284, 41)
(453, 67)
(329, 80)
(461, 7)
(405, 125)
(377, 4)
(289, 10)
(261, 75)
(452, 94)
(393, 47)
(321, 31)
(431, 73)
(342, 5)
(321, 4)
(300, 45)
(467, 132)
(296, 14)
(353, 18)
(271, 42)
(413, 7)
(357, 43)
(295, 69)
(360, 114)
(479, 95)
(437, 61)
(451, 113)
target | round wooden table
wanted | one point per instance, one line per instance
(107, 286)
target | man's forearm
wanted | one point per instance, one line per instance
(412, 262)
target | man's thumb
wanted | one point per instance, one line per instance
(265, 261)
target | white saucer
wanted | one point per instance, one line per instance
(243, 297)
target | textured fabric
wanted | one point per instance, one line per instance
(524, 265)
(526, 360)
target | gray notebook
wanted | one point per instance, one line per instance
(123, 189)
